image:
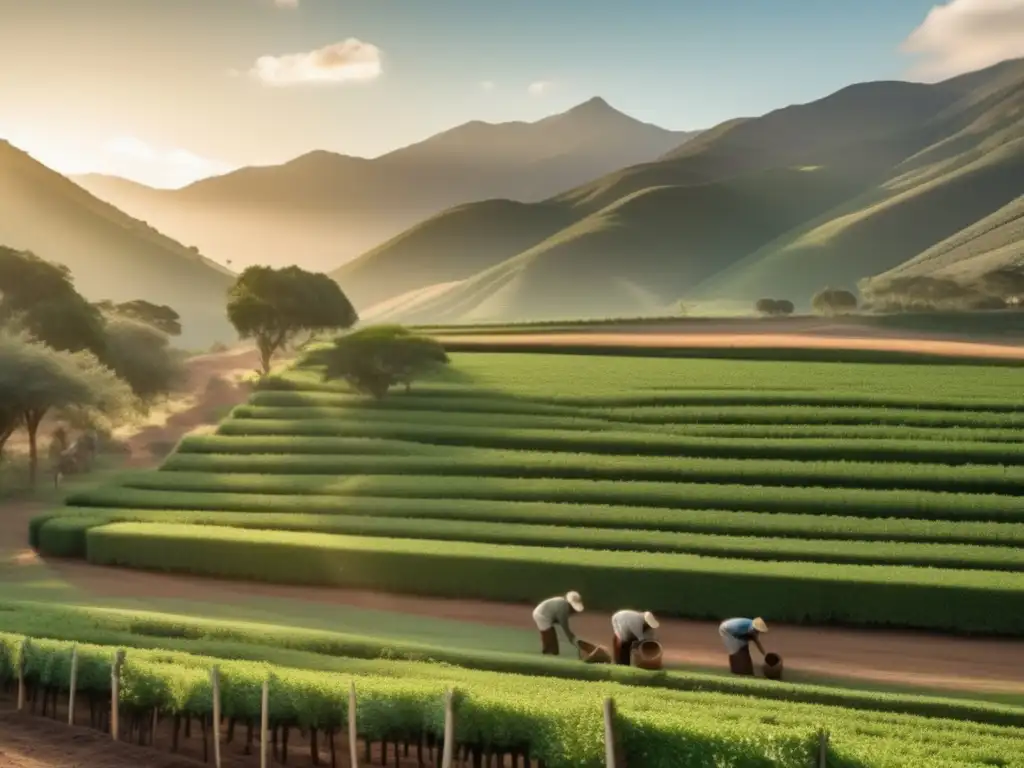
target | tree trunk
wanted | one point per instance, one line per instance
(33, 418)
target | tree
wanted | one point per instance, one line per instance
(142, 356)
(834, 301)
(36, 379)
(159, 316)
(375, 359)
(1007, 283)
(40, 299)
(272, 306)
(774, 307)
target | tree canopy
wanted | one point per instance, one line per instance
(159, 316)
(834, 301)
(774, 307)
(375, 359)
(142, 356)
(39, 297)
(272, 306)
(35, 379)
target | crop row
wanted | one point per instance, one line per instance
(922, 505)
(260, 425)
(310, 507)
(328, 651)
(675, 584)
(482, 463)
(65, 537)
(558, 722)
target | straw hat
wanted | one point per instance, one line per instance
(650, 621)
(759, 625)
(575, 601)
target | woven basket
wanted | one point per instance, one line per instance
(593, 654)
(647, 655)
(773, 666)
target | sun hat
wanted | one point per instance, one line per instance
(650, 621)
(759, 625)
(575, 601)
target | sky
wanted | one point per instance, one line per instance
(168, 91)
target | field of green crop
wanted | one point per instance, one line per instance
(870, 494)
(556, 721)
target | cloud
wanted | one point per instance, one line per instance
(965, 35)
(539, 88)
(133, 158)
(348, 61)
(286, 3)
(488, 86)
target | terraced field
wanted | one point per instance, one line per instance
(861, 494)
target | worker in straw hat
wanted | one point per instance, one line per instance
(630, 628)
(737, 635)
(556, 611)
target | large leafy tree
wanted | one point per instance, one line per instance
(834, 301)
(273, 306)
(375, 359)
(142, 356)
(39, 297)
(36, 379)
(159, 316)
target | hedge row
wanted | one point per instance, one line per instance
(309, 507)
(64, 536)
(481, 463)
(337, 652)
(924, 505)
(251, 424)
(682, 585)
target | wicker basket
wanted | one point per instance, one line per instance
(593, 654)
(647, 655)
(773, 666)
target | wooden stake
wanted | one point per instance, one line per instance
(74, 685)
(264, 720)
(115, 694)
(612, 753)
(823, 749)
(21, 674)
(448, 753)
(353, 732)
(215, 684)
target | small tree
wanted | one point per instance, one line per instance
(36, 379)
(158, 316)
(40, 298)
(142, 356)
(375, 359)
(774, 307)
(834, 301)
(272, 306)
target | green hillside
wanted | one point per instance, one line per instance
(830, 192)
(110, 254)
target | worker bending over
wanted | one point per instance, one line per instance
(737, 635)
(630, 628)
(556, 610)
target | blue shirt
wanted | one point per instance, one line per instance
(739, 628)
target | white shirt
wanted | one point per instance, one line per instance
(629, 625)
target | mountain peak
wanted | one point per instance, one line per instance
(593, 107)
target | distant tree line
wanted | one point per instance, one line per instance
(1001, 288)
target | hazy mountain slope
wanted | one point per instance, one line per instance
(990, 243)
(974, 169)
(111, 255)
(323, 209)
(641, 252)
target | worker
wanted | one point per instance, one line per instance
(630, 628)
(556, 610)
(737, 635)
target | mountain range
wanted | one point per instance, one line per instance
(110, 254)
(875, 178)
(322, 209)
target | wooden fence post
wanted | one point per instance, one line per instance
(612, 752)
(74, 685)
(353, 730)
(448, 754)
(215, 685)
(115, 694)
(21, 674)
(264, 722)
(823, 749)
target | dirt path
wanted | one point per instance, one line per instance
(649, 337)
